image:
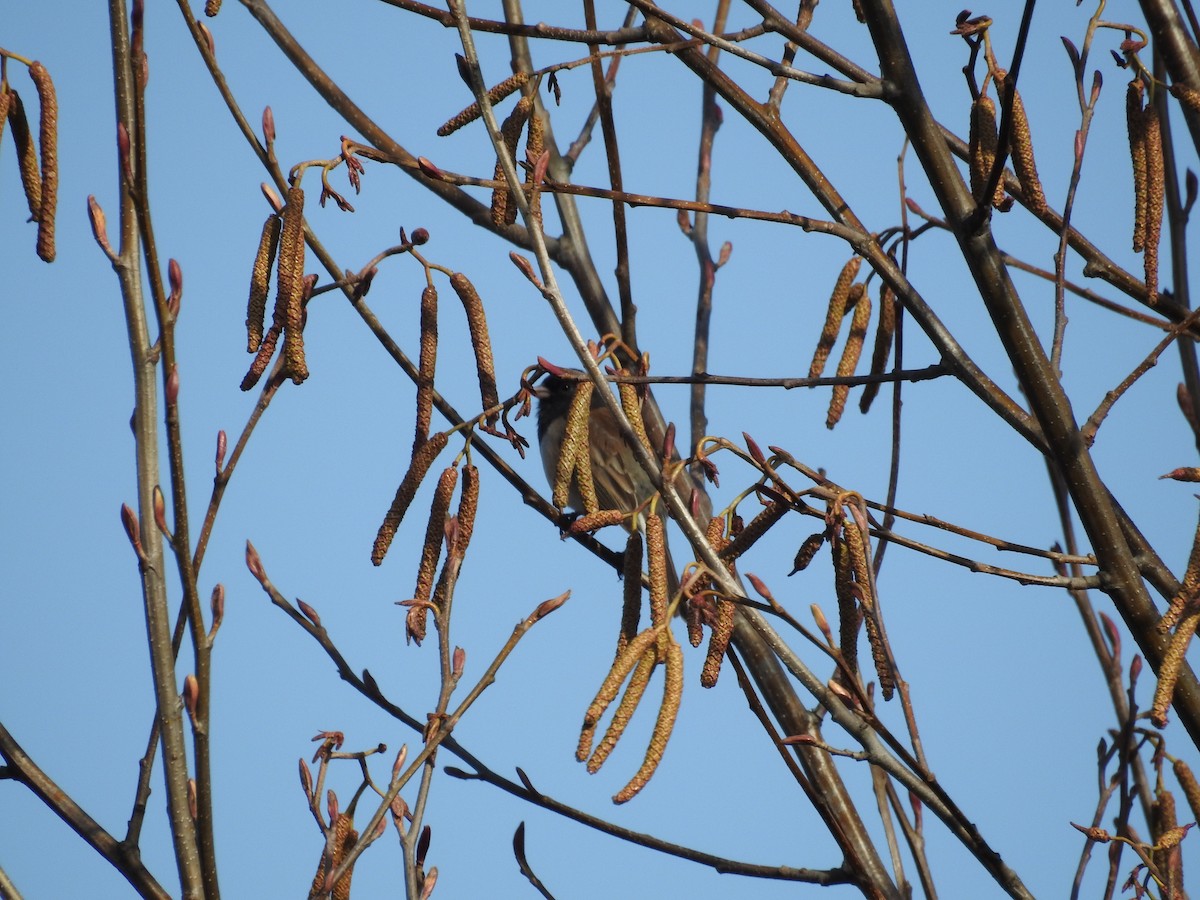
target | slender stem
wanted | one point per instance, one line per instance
(145, 429)
(124, 857)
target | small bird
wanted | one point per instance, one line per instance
(621, 482)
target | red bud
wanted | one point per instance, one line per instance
(309, 612)
(160, 512)
(99, 227)
(268, 125)
(548, 606)
(254, 563)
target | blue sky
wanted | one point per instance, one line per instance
(1008, 695)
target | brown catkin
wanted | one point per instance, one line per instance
(850, 353)
(1155, 195)
(601, 518)
(983, 145)
(616, 675)
(631, 405)
(807, 551)
(504, 210)
(212, 7)
(426, 365)
(265, 351)
(1189, 785)
(260, 281)
(656, 552)
(575, 446)
(1187, 590)
(833, 316)
(290, 285)
(1168, 670)
(421, 462)
(481, 343)
(1135, 124)
(718, 643)
(698, 605)
(750, 534)
(431, 550)
(535, 143)
(5, 103)
(860, 563)
(31, 176)
(634, 691)
(1187, 95)
(884, 332)
(48, 147)
(473, 112)
(468, 506)
(848, 615)
(631, 597)
(344, 839)
(1021, 142)
(1164, 829)
(665, 724)
(722, 629)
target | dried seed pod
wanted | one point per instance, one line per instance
(1155, 195)
(431, 550)
(983, 146)
(1168, 671)
(634, 691)
(1021, 143)
(473, 112)
(31, 176)
(289, 299)
(665, 724)
(884, 332)
(260, 277)
(480, 342)
(1136, 124)
(1187, 590)
(851, 352)
(833, 316)
(807, 551)
(631, 598)
(427, 365)
(421, 462)
(504, 210)
(750, 534)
